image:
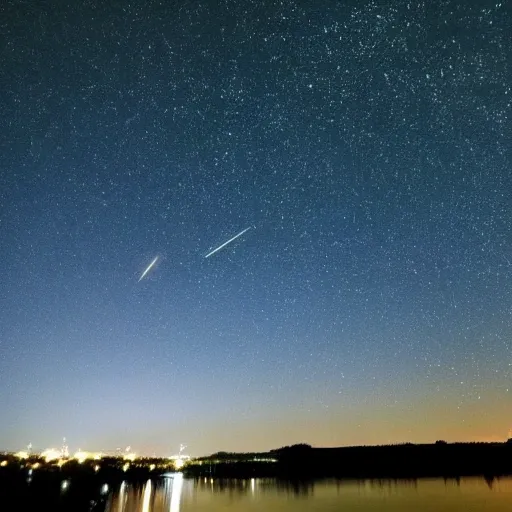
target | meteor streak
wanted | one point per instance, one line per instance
(228, 242)
(150, 266)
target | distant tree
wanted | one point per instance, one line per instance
(294, 447)
(509, 441)
(441, 442)
(296, 452)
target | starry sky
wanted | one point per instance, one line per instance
(366, 144)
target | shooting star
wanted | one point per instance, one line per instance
(150, 266)
(226, 243)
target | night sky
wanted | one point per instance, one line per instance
(366, 145)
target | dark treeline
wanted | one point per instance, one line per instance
(396, 461)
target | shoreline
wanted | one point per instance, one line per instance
(406, 461)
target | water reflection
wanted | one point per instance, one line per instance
(173, 493)
(122, 497)
(489, 480)
(147, 497)
(300, 488)
(177, 485)
(157, 495)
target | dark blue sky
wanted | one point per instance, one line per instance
(368, 148)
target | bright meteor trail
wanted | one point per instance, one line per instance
(228, 242)
(150, 266)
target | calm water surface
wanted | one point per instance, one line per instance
(174, 493)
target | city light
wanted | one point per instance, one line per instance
(82, 456)
(51, 454)
(129, 455)
(180, 459)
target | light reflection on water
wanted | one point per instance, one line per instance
(146, 500)
(173, 493)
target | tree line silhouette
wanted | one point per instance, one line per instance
(406, 460)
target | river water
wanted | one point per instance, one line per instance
(174, 493)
